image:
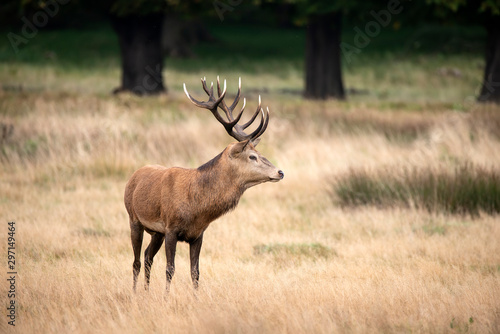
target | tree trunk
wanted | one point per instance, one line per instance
(323, 72)
(180, 35)
(490, 91)
(140, 49)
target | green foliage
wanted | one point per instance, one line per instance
(453, 5)
(492, 6)
(468, 190)
(468, 8)
(68, 11)
(145, 7)
(137, 7)
(310, 7)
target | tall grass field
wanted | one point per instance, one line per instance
(387, 220)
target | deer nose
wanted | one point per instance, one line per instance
(281, 174)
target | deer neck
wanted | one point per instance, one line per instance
(218, 186)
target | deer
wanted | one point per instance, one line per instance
(178, 204)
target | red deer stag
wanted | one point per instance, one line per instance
(177, 204)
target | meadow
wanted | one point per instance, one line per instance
(343, 244)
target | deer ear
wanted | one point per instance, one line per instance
(238, 148)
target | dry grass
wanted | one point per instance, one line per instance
(286, 260)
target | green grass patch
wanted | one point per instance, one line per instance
(97, 231)
(468, 189)
(293, 252)
(28, 149)
(64, 49)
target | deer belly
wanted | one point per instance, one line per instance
(157, 226)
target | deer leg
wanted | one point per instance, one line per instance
(136, 235)
(170, 245)
(194, 252)
(149, 254)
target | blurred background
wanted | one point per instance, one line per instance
(434, 50)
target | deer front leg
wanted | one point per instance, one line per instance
(170, 246)
(194, 251)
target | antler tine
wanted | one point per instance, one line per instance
(223, 104)
(229, 110)
(212, 103)
(205, 88)
(237, 98)
(265, 124)
(192, 99)
(247, 124)
(231, 124)
(264, 121)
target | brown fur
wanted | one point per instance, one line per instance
(178, 204)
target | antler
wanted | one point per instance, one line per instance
(231, 125)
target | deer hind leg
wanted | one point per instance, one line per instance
(136, 235)
(149, 254)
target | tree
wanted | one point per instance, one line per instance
(323, 71)
(138, 25)
(490, 90)
(323, 67)
(486, 12)
(139, 38)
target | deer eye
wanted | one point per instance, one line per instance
(253, 157)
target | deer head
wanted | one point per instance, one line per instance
(252, 166)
